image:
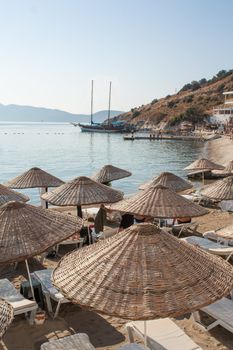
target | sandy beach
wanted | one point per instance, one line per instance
(107, 332)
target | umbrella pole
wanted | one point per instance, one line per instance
(203, 178)
(145, 335)
(46, 203)
(30, 280)
(79, 211)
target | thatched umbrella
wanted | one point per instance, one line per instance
(202, 165)
(219, 190)
(159, 202)
(26, 231)
(35, 178)
(169, 180)
(82, 191)
(6, 316)
(7, 195)
(110, 173)
(143, 273)
(228, 168)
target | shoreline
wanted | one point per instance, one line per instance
(220, 150)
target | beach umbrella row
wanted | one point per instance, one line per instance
(6, 316)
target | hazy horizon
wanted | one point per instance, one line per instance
(51, 50)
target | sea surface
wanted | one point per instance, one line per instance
(64, 151)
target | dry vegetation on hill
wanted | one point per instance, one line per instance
(192, 103)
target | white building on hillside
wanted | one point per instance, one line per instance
(223, 114)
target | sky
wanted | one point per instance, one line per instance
(50, 50)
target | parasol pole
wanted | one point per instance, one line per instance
(145, 335)
(203, 178)
(79, 211)
(30, 280)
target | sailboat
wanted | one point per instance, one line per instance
(107, 126)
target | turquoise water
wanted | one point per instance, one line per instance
(65, 152)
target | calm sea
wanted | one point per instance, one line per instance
(64, 151)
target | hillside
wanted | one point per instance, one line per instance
(16, 113)
(193, 103)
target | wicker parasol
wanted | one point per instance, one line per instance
(143, 273)
(33, 178)
(219, 190)
(26, 230)
(204, 164)
(6, 316)
(159, 202)
(169, 180)
(7, 195)
(201, 166)
(82, 191)
(110, 173)
(229, 168)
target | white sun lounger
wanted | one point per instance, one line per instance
(211, 247)
(221, 311)
(162, 334)
(20, 304)
(79, 341)
(216, 236)
(49, 291)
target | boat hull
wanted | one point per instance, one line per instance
(101, 129)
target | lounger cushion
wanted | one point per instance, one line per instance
(221, 310)
(77, 341)
(165, 334)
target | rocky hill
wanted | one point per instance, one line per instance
(193, 103)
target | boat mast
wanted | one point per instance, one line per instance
(92, 83)
(109, 101)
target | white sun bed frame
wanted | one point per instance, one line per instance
(49, 291)
(78, 243)
(20, 304)
(162, 334)
(210, 246)
(221, 311)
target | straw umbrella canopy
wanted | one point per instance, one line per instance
(169, 180)
(143, 273)
(219, 190)
(229, 168)
(82, 191)
(6, 316)
(26, 231)
(7, 195)
(35, 178)
(110, 173)
(159, 202)
(202, 165)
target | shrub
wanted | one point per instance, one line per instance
(135, 114)
(154, 101)
(171, 104)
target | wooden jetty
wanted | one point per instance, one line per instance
(159, 137)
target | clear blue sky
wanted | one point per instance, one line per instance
(51, 49)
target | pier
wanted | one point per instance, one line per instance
(159, 137)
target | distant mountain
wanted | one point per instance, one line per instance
(16, 113)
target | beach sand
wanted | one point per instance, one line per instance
(107, 332)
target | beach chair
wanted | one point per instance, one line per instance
(221, 311)
(217, 236)
(20, 304)
(162, 334)
(79, 341)
(190, 227)
(212, 247)
(75, 239)
(49, 291)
